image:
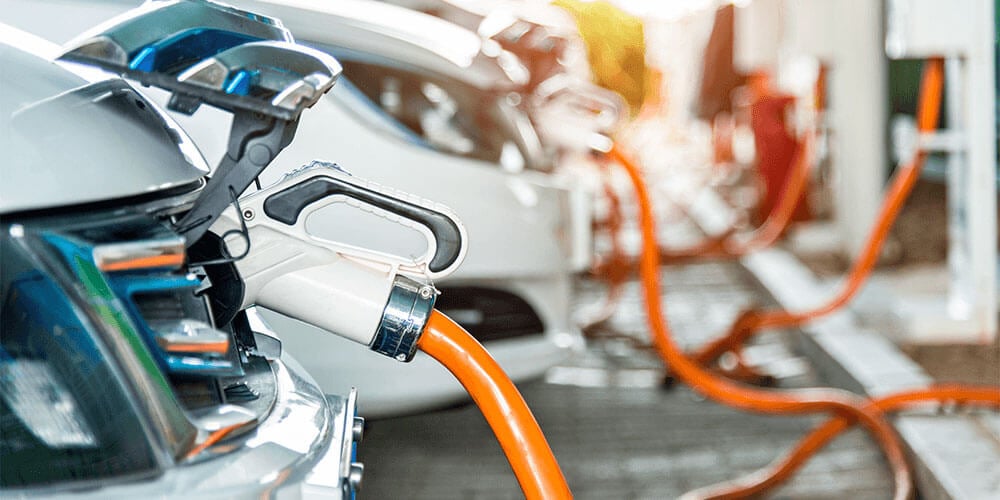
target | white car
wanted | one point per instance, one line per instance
(564, 103)
(571, 113)
(117, 378)
(513, 290)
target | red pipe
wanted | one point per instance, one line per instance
(614, 262)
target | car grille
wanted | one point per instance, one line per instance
(490, 314)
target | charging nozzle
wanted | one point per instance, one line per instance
(570, 109)
(373, 298)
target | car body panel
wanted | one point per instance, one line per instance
(420, 40)
(64, 149)
(282, 456)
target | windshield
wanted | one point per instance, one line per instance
(442, 115)
(357, 103)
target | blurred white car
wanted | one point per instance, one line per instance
(570, 112)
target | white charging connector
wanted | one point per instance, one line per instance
(374, 298)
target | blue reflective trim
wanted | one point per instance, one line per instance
(124, 285)
(69, 248)
(239, 83)
(190, 365)
(182, 50)
(49, 317)
(143, 61)
(79, 255)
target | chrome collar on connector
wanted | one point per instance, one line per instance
(403, 320)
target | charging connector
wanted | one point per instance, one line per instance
(376, 299)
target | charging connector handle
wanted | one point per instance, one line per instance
(288, 204)
(374, 298)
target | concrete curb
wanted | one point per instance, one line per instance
(955, 456)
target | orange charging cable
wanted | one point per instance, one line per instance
(692, 373)
(751, 321)
(726, 391)
(761, 481)
(500, 402)
(778, 220)
(730, 243)
(613, 261)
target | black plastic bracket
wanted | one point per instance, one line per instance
(254, 141)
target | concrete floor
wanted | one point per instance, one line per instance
(615, 431)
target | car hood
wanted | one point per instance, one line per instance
(71, 135)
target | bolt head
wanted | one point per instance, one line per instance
(355, 475)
